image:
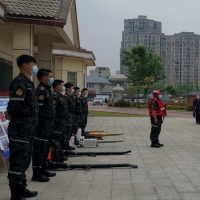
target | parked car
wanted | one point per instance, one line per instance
(127, 100)
(97, 101)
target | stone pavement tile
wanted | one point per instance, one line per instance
(120, 192)
(163, 182)
(96, 190)
(149, 161)
(5, 194)
(60, 182)
(98, 197)
(167, 164)
(140, 178)
(157, 174)
(178, 176)
(3, 178)
(146, 197)
(143, 188)
(101, 182)
(83, 190)
(74, 197)
(183, 186)
(190, 196)
(153, 168)
(66, 173)
(195, 181)
(36, 186)
(83, 177)
(121, 175)
(80, 183)
(123, 197)
(56, 193)
(166, 193)
(122, 184)
(190, 173)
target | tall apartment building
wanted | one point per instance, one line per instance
(101, 72)
(180, 52)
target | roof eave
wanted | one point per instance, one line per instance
(38, 21)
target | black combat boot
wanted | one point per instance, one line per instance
(154, 144)
(25, 192)
(38, 176)
(16, 192)
(161, 145)
(47, 173)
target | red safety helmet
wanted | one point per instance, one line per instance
(158, 92)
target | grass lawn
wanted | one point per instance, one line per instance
(93, 113)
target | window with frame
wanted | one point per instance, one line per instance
(90, 85)
(72, 78)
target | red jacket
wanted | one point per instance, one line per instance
(160, 109)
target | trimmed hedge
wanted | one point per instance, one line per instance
(170, 106)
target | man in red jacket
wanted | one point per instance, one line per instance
(157, 111)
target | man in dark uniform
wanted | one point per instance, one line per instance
(77, 122)
(196, 104)
(157, 110)
(70, 102)
(84, 104)
(22, 113)
(61, 118)
(46, 115)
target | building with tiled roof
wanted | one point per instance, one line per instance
(99, 85)
(48, 30)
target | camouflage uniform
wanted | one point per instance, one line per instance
(22, 108)
(69, 124)
(61, 119)
(46, 115)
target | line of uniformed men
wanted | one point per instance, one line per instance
(36, 118)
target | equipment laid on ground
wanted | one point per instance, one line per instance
(73, 153)
(93, 142)
(99, 134)
(57, 165)
(55, 159)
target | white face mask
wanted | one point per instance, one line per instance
(198, 96)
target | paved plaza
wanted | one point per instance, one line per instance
(168, 173)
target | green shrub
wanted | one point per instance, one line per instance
(190, 108)
(170, 106)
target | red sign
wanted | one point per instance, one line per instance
(4, 93)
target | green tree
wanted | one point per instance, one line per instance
(159, 86)
(171, 90)
(148, 83)
(142, 63)
(183, 88)
(130, 91)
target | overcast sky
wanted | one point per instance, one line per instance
(101, 23)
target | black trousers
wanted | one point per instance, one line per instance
(77, 122)
(155, 129)
(197, 116)
(21, 133)
(42, 142)
(59, 133)
(84, 123)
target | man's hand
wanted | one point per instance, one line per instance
(7, 116)
(155, 120)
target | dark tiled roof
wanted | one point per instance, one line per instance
(97, 79)
(193, 93)
(38, 8)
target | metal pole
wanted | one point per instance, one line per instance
(138, 99)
